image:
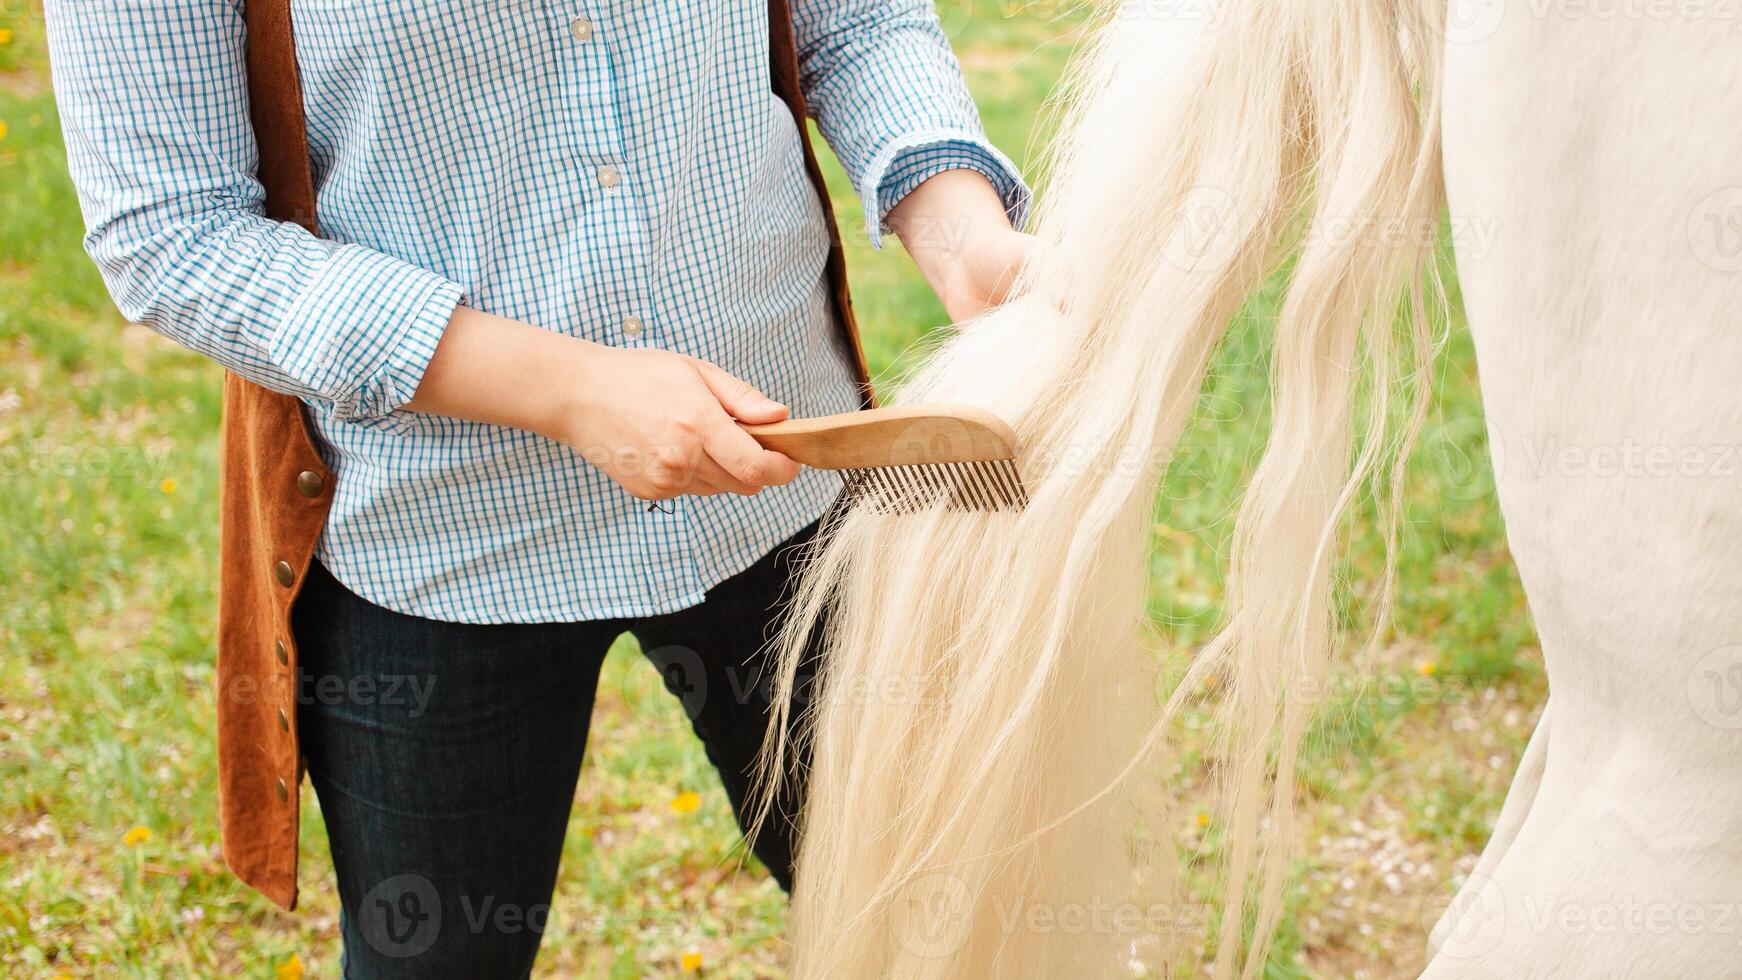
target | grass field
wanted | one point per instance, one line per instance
(108, 838)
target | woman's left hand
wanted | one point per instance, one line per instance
(955, 228)
(981, 277)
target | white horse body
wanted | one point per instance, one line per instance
(1606, 150)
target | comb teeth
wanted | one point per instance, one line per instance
(987, 485)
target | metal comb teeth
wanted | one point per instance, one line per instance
(986, 485)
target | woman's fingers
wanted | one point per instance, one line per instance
(738, 456)
(744, 459)
(684, 442)
(740, 398)
(713, 476)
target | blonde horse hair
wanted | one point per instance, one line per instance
(986, 723)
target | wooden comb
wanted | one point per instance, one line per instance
(906, 459)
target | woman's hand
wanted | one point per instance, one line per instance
(663, 424)
(659, 424)
(955, 228)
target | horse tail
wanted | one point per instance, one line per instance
(1354, 197)
(984, 733)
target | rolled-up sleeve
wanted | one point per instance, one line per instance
(154, 110)
(889, 97)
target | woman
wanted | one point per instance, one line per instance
(564, 247)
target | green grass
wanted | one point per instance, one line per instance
(107, 445)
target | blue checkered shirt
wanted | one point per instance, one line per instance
(617, 170)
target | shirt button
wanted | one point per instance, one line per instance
(633, 326)
(581, 28)
(609, 176)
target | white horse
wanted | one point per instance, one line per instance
(1605, 140)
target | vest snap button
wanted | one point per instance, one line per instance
(310, 484)
(284, 573)
(283, 791)
(282, 652)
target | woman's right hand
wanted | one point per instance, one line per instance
(660, 424)
(663, 424)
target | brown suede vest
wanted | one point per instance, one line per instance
(276, 491)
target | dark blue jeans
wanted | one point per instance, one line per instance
(445, 757)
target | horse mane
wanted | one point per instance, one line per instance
(986, 726)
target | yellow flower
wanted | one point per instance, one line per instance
(1203, 819)
(168, 485)
(290, 969)
(2, 129)
(136, 836)
(63, 976)
(686, 801)
(691, 962)
(5, 35)
(1427, 668)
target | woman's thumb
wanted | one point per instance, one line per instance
(740, 398)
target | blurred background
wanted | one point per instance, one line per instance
(109, 860)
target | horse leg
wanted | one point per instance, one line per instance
(1599, 146)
